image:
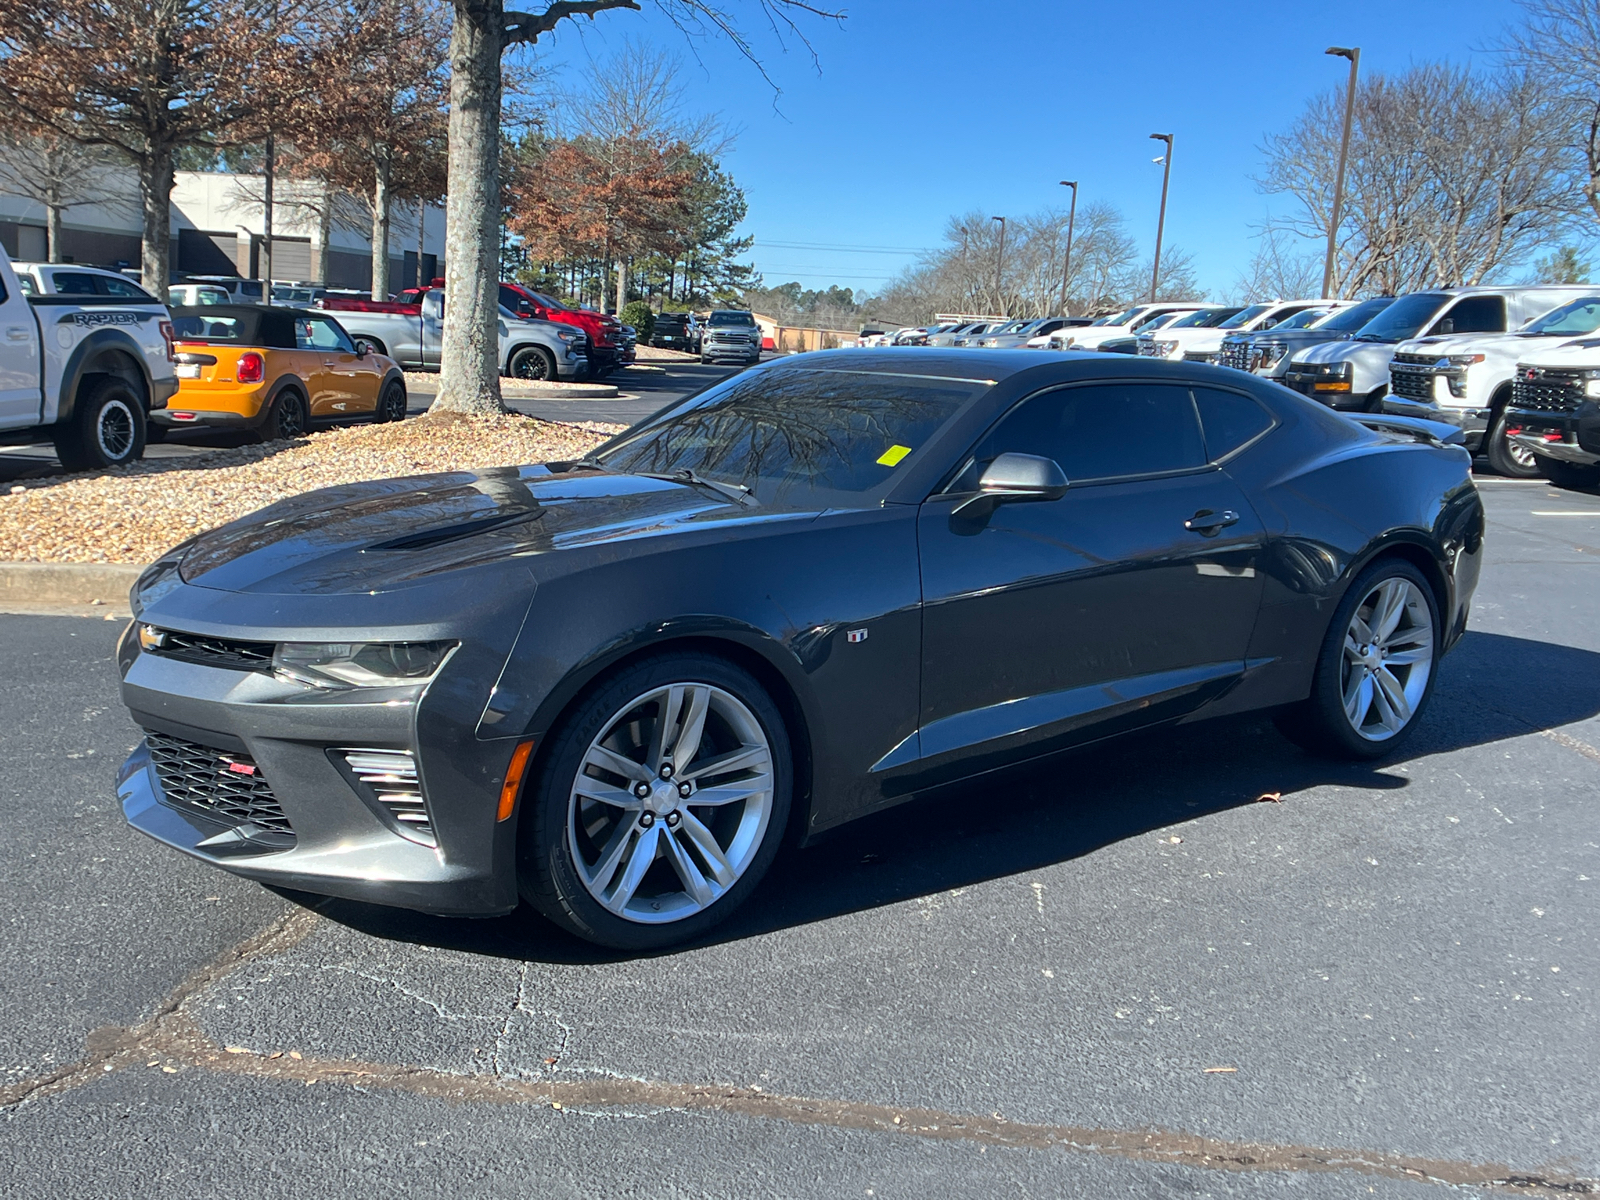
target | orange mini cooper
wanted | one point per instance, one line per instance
(275, 371)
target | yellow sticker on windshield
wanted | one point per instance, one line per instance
(892, 456)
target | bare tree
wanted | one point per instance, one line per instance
(1453, 175)
(1282, 268)
(481, 34)
(143, 78)
(58, 174)
(1559, 42)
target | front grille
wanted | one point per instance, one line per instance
(228, 787)
(1266, 355)
(227, 653)
(1200, 356)
(1235, 353)
(1410, 382)
(390, 777)
(1547, 391)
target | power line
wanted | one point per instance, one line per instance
(844, 249)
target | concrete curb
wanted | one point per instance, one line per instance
(44, 586)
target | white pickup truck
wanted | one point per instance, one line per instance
(85, 355)
(1466, 379)
(1203, 342)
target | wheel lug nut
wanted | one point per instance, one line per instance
(641, 790)
(666, 770)
(672, 820)
(646, 820)
(684, 789)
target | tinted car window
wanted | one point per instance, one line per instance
(319, 333)
(1477, 314)
(1402, 318)
(72, 283)
(1105, 431)
(1348, 320)
(122, 287)
(1229, 420)
(792, 436)
(190, 328)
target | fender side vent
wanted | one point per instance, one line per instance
(389, 778)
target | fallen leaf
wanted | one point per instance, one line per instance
(295, 1054)
(276, 1054)
(549, 1062)
(170, 1070)
(236, 1050)
(556, 1104)
(1272, 797)
(1221, 1070)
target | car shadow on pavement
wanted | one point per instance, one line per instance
(34, 468)
(1052, 810)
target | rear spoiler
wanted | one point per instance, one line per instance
(1416, 428)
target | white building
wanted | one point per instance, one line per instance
(218, 228)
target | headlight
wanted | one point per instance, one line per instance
(1458, 360)
(359, 664)
(1164, 349)
(568, 335)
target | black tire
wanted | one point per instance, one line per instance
(1568, 475)
(532, 362)
(107, 428)
(1319, 723)
(1506, 458)
(392, 402)
(289, 417)
(366, 345)
(154, 434)
(548, 874)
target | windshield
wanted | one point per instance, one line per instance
(1302, 320)
(732, 318)
(1199, 319)
(797, 438)
(1403, 318)
(1244, 317)
(1348, 320)
(1157, 322)
(1581, 316)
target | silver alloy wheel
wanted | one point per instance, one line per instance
(114, 431)
(671, 803)
(1388, 656)
(1520, 454)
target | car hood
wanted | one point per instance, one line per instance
(1460, 343)
(1579, 354)
(395, 533)
(1332, 352)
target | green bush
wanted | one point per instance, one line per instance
(637, 313)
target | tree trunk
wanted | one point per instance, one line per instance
(155, 195)
(469, 366)
(52, 226)
(268, 179)
(622, 283)
(381, 204)
(319, 237)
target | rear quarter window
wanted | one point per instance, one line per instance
(1229, 420)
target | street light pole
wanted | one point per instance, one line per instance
(1354, 55)
(1161, 221)
(1066, 265)
(999, 268)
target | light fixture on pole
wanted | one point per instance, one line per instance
(999, 267)
(1066, 266)
(1161, 221)
(1353, 53)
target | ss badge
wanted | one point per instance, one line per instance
(856, 635)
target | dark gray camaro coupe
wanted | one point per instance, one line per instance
(611, 686)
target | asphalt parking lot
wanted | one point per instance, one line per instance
(1115, 973)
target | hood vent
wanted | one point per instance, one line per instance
(451, 533)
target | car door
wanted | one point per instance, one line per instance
(432, 327)
(352, 379)
(19, 362)
(1129, 600)
(310, 363)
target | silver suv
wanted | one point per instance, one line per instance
(731, 333)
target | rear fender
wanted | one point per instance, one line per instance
(107, 351)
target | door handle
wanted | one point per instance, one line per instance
(1209, 524)
(17, 333)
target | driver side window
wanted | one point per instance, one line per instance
(1098, 432)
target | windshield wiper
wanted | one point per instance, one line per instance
(737, 492)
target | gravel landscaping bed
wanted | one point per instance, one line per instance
(428, 382)
(134, 513)
(656, 354)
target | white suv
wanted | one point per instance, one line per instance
(1089, 337)
(1203, 343)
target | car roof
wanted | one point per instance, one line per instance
(246, 310)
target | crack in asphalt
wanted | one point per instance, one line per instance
(172, 1040)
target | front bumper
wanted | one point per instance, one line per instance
(1566, 437)
(739, 351)
(1334, 392)
(343, 842)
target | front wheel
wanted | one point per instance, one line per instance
(1568, 475)
(1506, 456)
(534, 363)
(1374, 675)
(107, 428)
(660, 803)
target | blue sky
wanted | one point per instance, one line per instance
(922, 110)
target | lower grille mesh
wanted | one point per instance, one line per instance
(229, 787)
(392, 777)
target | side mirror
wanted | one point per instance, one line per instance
(1013, 478)
(1447, 326)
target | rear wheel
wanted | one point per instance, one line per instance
(661, 801)
(392, 402)
(107, 428)
(1568, 475)
(1374, 675)
(288, 418)
(1505, 456)
(532, 362)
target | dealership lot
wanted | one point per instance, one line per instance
(1119, 972)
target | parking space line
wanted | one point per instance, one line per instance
(1552, 512)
